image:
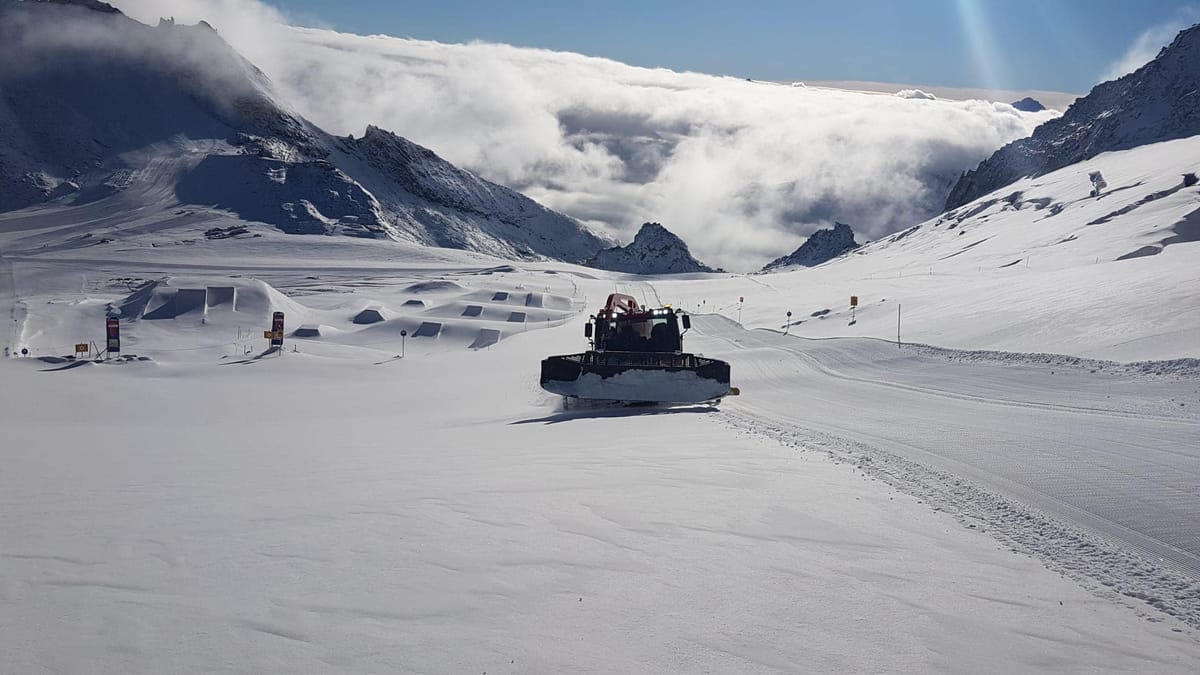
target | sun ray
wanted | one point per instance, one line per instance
(989, 66)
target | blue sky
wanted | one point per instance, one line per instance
(1059, 45)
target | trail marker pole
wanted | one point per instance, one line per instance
(897, 326)
(403, 334)
(788, 325)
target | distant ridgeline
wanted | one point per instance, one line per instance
(1158, 102)
(821, 246)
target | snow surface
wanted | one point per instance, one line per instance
(341, 507)
(1038, 266)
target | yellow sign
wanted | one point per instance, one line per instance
(854, 301)
(268, 334)
(81, 347)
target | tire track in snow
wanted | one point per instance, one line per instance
(1109, 496)
(14, 306)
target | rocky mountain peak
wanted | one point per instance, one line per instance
(654, 250)
(1029, 104)
(820, 246)
(1158, 102)
(94, 5)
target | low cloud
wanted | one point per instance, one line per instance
(1149, 43)
(915, 94)
(742, 170)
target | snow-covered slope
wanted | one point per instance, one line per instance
(336, 508)
(821, 246)
(654, 250)
(99, 107)
(1038, 266)
(1157, 102)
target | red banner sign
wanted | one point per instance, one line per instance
(113, 331)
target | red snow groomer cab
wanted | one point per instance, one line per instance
(636, 356)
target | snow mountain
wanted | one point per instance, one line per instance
(654, 250)
(1157, 102)
(101, 112)
(821, 246)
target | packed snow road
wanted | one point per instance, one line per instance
(1097, 471)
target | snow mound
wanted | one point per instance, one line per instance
(486, 338)
(429, 329)
(369, 315)
(432, 286)
(175, 297)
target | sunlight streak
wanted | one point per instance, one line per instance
(989, 67)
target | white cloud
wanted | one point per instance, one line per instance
(743, 171)
(915, 94)
(1149, 42)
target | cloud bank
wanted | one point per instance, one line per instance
(742, 170)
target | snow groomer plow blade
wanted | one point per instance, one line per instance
(636, 357)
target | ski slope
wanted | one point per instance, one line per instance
(395, 493)
(1039, 266)
(1050, 443)
(336, 508)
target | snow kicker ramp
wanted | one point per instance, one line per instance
(176, 297)
(1114, 454)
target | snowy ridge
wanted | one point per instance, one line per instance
(1041, 266)
(821, 246)
(654, 250)
(1157, 102)
(83, 121)
(448, 207)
